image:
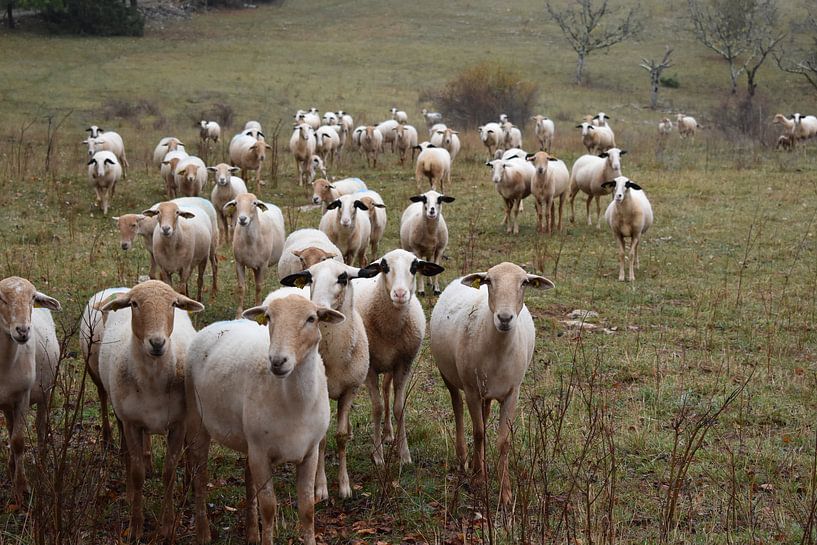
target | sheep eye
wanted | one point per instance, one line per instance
(343, 279)
(134, 304)
(311, 319)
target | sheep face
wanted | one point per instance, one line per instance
(506, 285)
(292, 322)
(91, 143)
(18, 297)
(203, 124)
(304, 130)
(586, 128)
(398, 269)
(152, 305)
(128, 225)
(259, 149)
(330, 118)
(98, 166)
(94, 130)
(329, 281)
(222, 173)
(189, 172)
(497, 170)
(168, 214)
(322, 191)
(245, 208)
(613, 156)
(312, 255)
(432, 203)
(173, 144)
(540, 161)
(623, 186)
(347, 207)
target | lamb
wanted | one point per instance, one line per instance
(141, 366)
(344, 349)
(248, 153)
(190, 176)
(628, 215)
(182, 239)
(262, 393)
(226, 188)
(512, 179)
(597, 139)
(545, 130)
(423, 231)
(326, 192)
(399, 116)
(209, 131)
(431, 117)
(588, 174)
(664, 127)
(433, 163)
(327, 142)
(492, 136)
(551, 179)
(512, 136)
(29, 353)
(371, 142)
(347, 229)
(447, 139)
(785, 142)
(104, 171)
(304, 248)
(386, 128)
(395, 327)
(168, 171)
(377, 216)
(302, 147)
(166, 145)
(310, 118)
(108, 141)
(258, 240)
(482, 339)
(687, 125)
(406, 138)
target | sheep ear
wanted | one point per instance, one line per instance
(578, 126)
(446, 198)
(633, 185)
(366, 272)
(261, 205)
(297, 280)
(233, 170)
(334, 204)
(603, 155)
(115, 219)
(330, 186)
(330, 316)
(188, 304)
(377, 267)
(608, 184)
(211, 169)
(530, 156)
(229, 207)
(121, 301)
(426, 268)
(431, 146)
(475, 280)
(539, 282)
(42, 300)
(109, 162)
(360, 206)
(150, 212)
(378, 205)
(91, 162)
(623, 152)
(257, 314)
(553, 159)
(418, 198)
(184, 214)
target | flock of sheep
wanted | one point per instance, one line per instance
(261, 384)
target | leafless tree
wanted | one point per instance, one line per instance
(802, 61)
(655, 68)
(586, 28)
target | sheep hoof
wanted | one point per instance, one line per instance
(321, 493)
(345, 492)
(437, 292)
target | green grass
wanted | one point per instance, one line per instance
(726, 293)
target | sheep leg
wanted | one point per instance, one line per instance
(184, 276)
(200, 279)
(574, 189)
(16, 423)
(175, 443)
(136, 479)
(540, 227)
(456, 404)
(98, 196)
(321, 488)
(298, 172)
(620, 240)
(517, 203)
(388, 431)
(198, 448)
(213, 258)
(251, 512)
(401, 376)
(474, 402)
(361, 257)
(372, 384)
(103, 411)
(634, 241)
(506, 413)
(561, 206)
(341, 438)
(153, 273)
(506, 217)
(268, 503)
(305, 481)
(598, 212)
(259, 273)
(587, 206)
(435, 280)
(242, 287)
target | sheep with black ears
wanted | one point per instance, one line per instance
(423, 231)
(629, 215)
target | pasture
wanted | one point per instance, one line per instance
(684, 414)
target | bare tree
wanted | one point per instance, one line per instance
(586, 28)
(764, 40)
(655, 69)
(802, 61)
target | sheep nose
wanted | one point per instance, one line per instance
(540, 170)
(165, 230)
(125, 245)
(242, 220)
(157, 345)
(316, 200)
(22, 332)
(276, 363)
(346, 222)
(504, 320)
(401, 294)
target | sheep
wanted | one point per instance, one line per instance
(190, 176)
(104, 171)
(141, 366)
(248, 153)
(597, 139)
(503, 118)
(327, 142)
(95, 131)
(545, 130)
(512, 179)
(310, 118)
(184, 238)
(664, 127)
(431, 117)
(357, 137)
(785, 142)
(347, 229)
(209, 131)
(344, 349)
(303, 248)
(805, 126)
(258, 240)
(629, 214)
(261, 392)
(423, 231)
(406, 139)
(386, 128)
(788, 124)
(447, 139)
(253, 125)
(166, 145)
(108, 141)
(551, 179)
(600, 120)
(316, 165)
(588, 174)
(492, 136)
(482, 340)
(395, 326)
(302, 147)
(512, 136)
(371, 142)
(330, 118)
(226, 188)
(326, 192)
(377, 216)
(435, 128)
(168, 171)
(29, 352)
(513, 153)
(433, 163)
(345, 120)
(399, 116)
(253, 132)
(687, 125)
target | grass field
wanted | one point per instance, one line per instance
(686, 417)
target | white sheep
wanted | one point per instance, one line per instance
(327, 143)
(600, 120)
(330, 118)
(141, 366)
(424, 233)
(512, 179)
(482, 340)
(168, 171)
(399, 116)
(166, 145)
(588, 174)
(628, 215)
(395, 326)
(345, 120)
(261, 392)
(248, 153)
(805, 126)
(377, 216)
(347, 229)
(209, 131)
(513, 153)
(431, 118)
(325, 191)
(108, 141)
(371, 143)
(303, 248)
(258, 240)
(434, 164)
(226, 188)
(386, 128)
(492, 136)
(597, 139)
(406, 139)
(104, 171)
(95, 131)
(190, 176)
(551, 179)
(447, 139)
(664, 127)
(545, 130)
(253, 125)
(687, 125)
(29, 353)
(311, 118)
(302, 146)
(512, 136)
(316, 165)
(435, 128)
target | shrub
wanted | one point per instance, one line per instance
(670, 81)
(96, 17)
(482, 92)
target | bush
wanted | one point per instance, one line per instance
(670, 81)
(96, 17)
(482, 92)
